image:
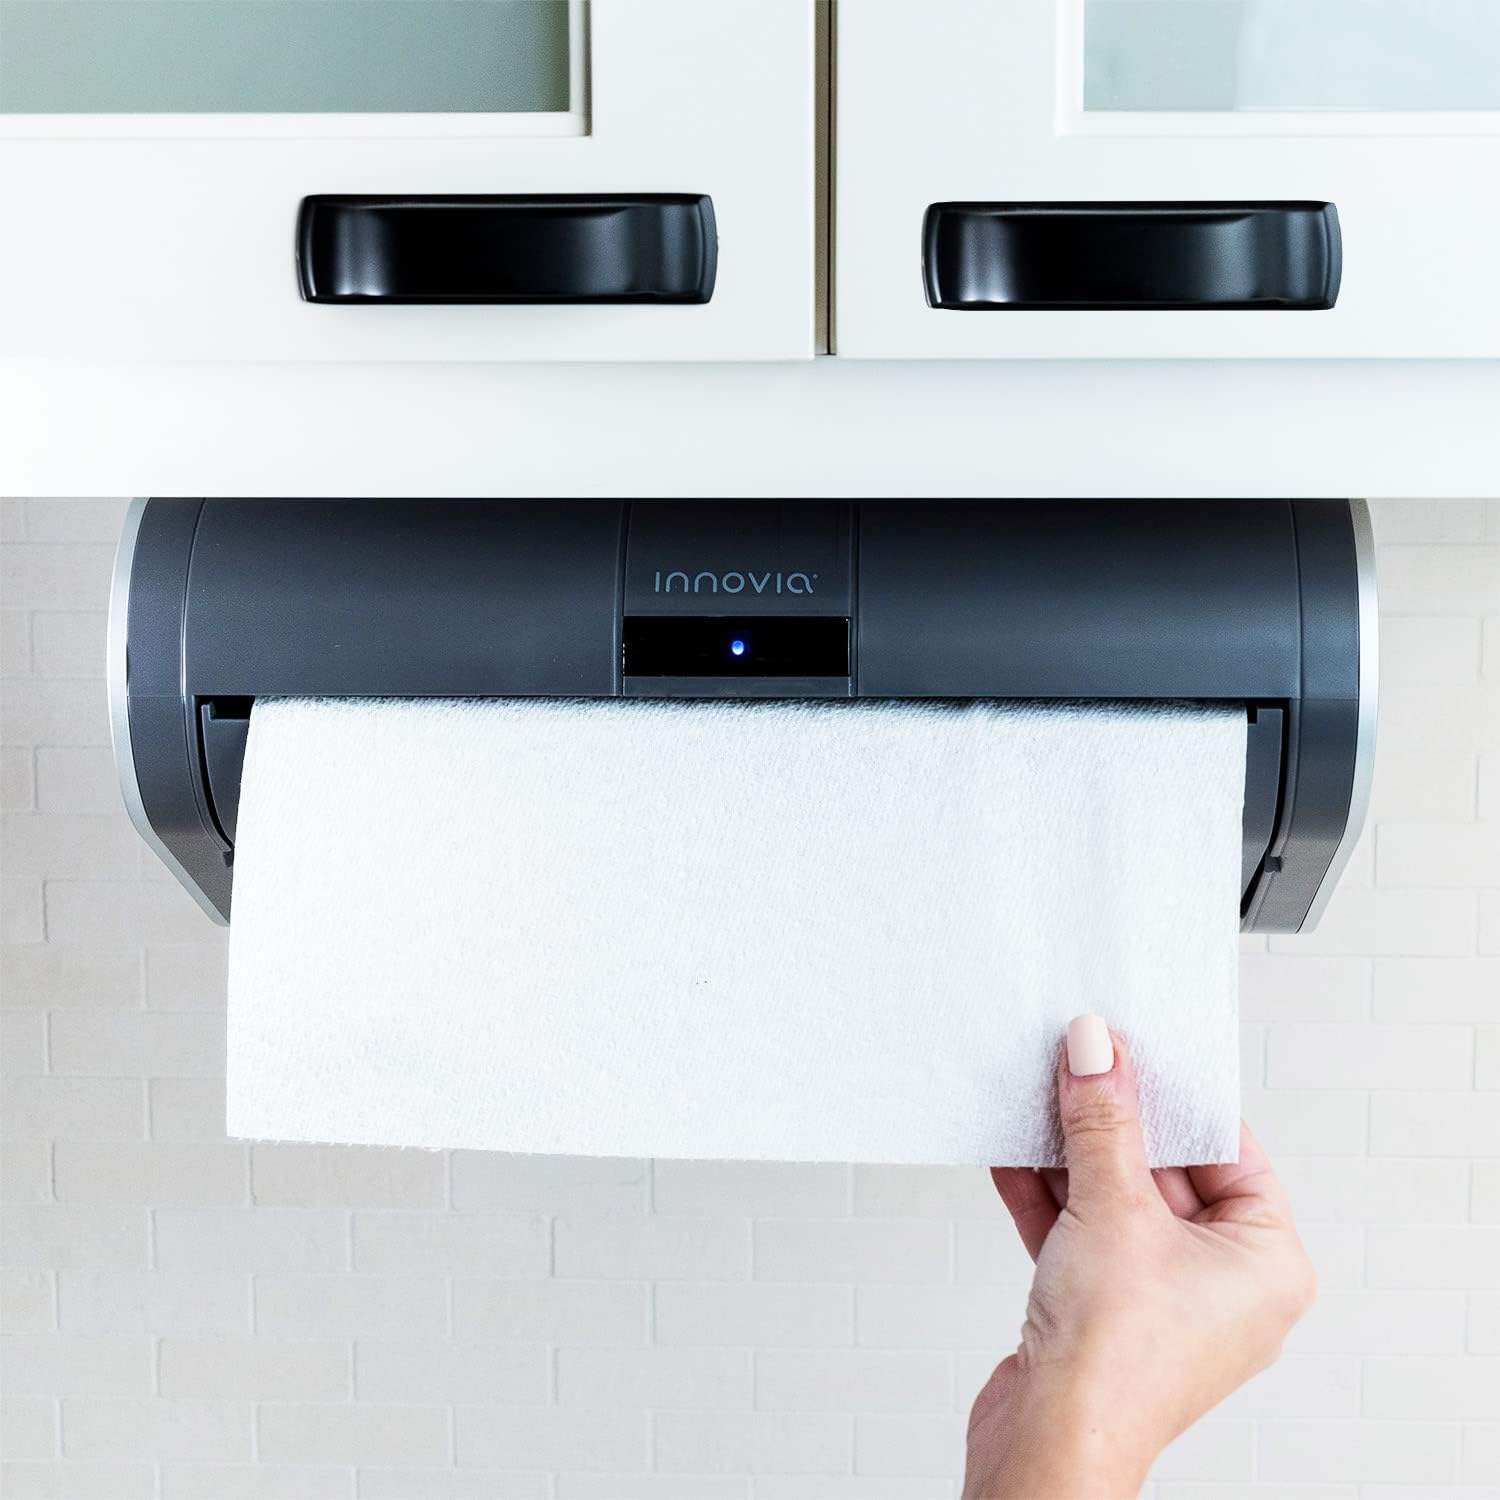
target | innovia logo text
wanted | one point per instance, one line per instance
(735, 583)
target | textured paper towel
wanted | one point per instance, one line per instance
(822, 931)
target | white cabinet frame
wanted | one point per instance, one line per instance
(148, 237)
(958, 100)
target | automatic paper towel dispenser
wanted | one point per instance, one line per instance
(1268, 603)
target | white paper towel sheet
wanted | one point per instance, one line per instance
(807, 932)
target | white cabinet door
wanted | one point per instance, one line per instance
(1146, 178)
(155, 156)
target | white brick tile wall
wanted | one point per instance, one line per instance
(190, 1318)
(444, 1371)
(290, 1432)
(25, 1172)
(458, 1484)
(857, 1380)
(690, 1442)
(258, 1481)
(191, 1430)
(154, 1172)
(27, 1300)
(292, 1305)
(496, 1244)
(301, 1176)
(511, 1437)
(78, 1481)
(152, 1302)
(661, 1379)
(764, 1315)
(663, 1248)
(852, 1250)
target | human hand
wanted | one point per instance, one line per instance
(1156, 1294)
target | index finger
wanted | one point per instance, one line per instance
(1252, 1176)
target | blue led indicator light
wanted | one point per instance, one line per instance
(736, 648)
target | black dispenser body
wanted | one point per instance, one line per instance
(1268, 604)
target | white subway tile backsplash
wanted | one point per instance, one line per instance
(567, 1486)
(42, 576)
(660, 1379)
(1213, 1449)
(846, 1250)
(257, 1481)
(17, 778)
(149, 1044)
(911, 1443)
(190, 1430)
(159, 1172)
(67, 644)
(375, 1483)
(1484, 1192)
(187, 976)
(689, 1442)
(506, 1183)
(668, 1249)
(23, 1042)
(1439, 648)
(290, 1175)
(926, 1192)
(1458, 856)
(1299, 987)
(755, 1188)
(15, 643)
(1366, 1055)
(251, 1239)
(77, 1481)
(257, 1369)
(1381, 1323)
(1433, 1388)
(759, 1314)
(1450, 1124)
(194, 1318)
(1362, 1451)
(936, 1317)
(442, 1372)
(1307, 1122)
(491, 1244)
(28, 1428)
(186, 1109)
(57, 976)
(152, 1302)
(323, 1433)
(1299, 1386)
(510, 1437)
(27, 1300)
(1363, 1190)
(853, 1380)
(554, 1312)
(57, 1364)
(1435, 1257)
(25, 1171)
(1479, 1454)
(292, 1305)
(1437, 990)
(76, 780)
(69, 1236)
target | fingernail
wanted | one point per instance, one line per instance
(1090, 1049)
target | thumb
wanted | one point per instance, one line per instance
(1097, 1104)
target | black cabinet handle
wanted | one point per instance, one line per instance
(550, 247)
(992, 256)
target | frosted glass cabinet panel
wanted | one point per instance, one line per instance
(1126, 179)
(1372, 55)
(387, 180)
(283, 56)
